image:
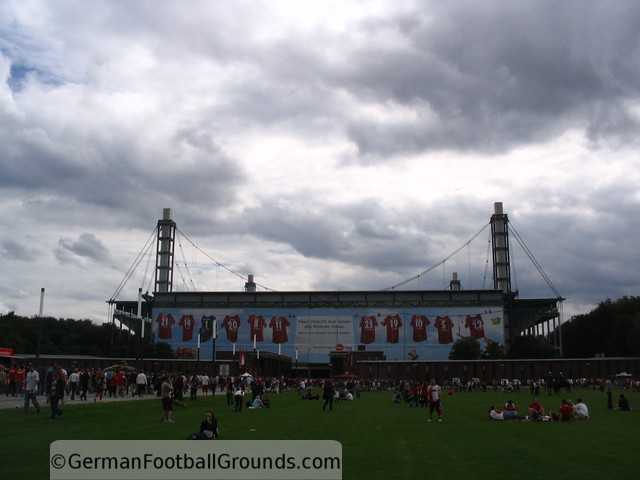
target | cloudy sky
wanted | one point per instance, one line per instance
(317, 145)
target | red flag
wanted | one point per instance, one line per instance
(241, 357)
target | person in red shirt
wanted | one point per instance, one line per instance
(120, 384)
(510, 412)
(20, 374)
(414, 396)
(13, 371)
(566, 411)
(536, 411)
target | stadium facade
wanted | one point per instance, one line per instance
(328, 328)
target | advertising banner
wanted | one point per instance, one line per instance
(310, 334)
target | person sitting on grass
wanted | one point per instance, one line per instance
(623, 403)
(257, 403)
(208, 428)
(310, 396)
(580, 410)
(510, 412)
(495, 414)
(566, 411)
(536, 411)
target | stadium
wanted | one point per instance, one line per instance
(372, 334)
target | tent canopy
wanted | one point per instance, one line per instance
(119, 368)
(346, 375)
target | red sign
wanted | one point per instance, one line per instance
(6, 352)
(339, 347)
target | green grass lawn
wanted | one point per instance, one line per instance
(379, 439)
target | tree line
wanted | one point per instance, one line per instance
(51, 336)
(611, 329)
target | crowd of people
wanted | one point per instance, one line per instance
(536, 412)
(244, 391)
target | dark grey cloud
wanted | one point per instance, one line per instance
(492, 76)
(87, 246)
(107, 121)
(14, 250)
(365, 233)
(584, 239)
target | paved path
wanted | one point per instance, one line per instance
(18, 402)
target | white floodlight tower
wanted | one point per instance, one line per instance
(165, 252)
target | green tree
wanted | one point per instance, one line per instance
(612, 328)
(158, 350)
(529, 346)
(494, 351)
(467, 348)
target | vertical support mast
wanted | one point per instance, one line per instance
(165, 252)
(500, 242)
(501, 265)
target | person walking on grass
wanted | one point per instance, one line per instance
(433, 396)
(327, 395)
(608, 387)
(32, 378)
(167, 400)
(57, 394)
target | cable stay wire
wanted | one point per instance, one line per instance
(151, 277)
(514, 273)
(486, 263)
(184, 282)
(534, 261)
(149, 243)
(220, 264)
(186, 266)
(146, 271)
(436, 265)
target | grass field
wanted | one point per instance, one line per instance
(379, 439)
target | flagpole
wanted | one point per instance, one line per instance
(198, 360)
(213, 348)
(40, 312)
(255, 362)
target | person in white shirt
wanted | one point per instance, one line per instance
(580, 410)
(205, 384)
(31, 381)
(433, 396)
(495, 414)
(141, 385)
(74, 378)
